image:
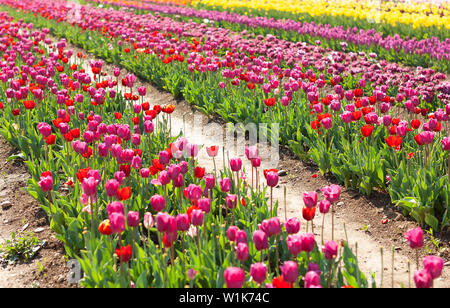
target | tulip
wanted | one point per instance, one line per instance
(197, 217)
(234, 277)
(105, 227)
(258, 271)
(330, 250)
(46, 183)
(158, 203)
(260, 240)
(242, 252)
(294, 244)
(212, 151)
(235, 164)
(271, 226)
(225, 184)
(415, 238)
(231, 233)
(148, 220)
(117, 221)
(289, 271)
(433, 265)
(210, 181)
(308, 242)
(163, 222)
(194, 192)
(312, 280)
(133, 219)
(115, 207)
(205, 205)
(292, 226)
(423, 279)
(310, 199)
(231, 201)
(124, 253)
(332, 193)
(182, 221)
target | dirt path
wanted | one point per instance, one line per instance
(20, 213)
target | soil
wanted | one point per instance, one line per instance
(367, 223)
(47, 269)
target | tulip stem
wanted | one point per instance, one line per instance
(382, 267)
(271, 199)
(276, 252)
(417, 258)
(449, 169)
(323, 223)
(332, 221)
(285, 205)
(329, 274)
(392, 278)
(409, 274)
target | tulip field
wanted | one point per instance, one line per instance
(359, 89)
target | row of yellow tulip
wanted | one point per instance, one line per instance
(417, 14)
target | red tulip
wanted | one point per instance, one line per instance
(124, 253)
(124, 193)
(394, 142)
(308, 213)
(50, 140)
(366, 130)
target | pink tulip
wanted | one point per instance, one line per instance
(194, 192)
(89, 186)
(182, 222)
(332, 193)
(326, 123)
(256, 162)
(271, 226)
(163, 221)
(210, 181)
(292, 226)
(197, 217)
(258, 271)
(324, 206)
(235, 164)
(289, 270)
(205, 205)
(446, 144)
(231, 233)
(312, 279)
(241, 237)
(133, 219)
(330, 250)
(310, 199)
(212, 151)
(45, 129)
(272, 179)
(415, 238)
(308, 242)
(117, 221)
(115, 207)
(148, 220)
(433, 265)
(231, 201)
(242, 252)
(46, 183)
(423, 279)
(158, 202)
(225, 184)
(294, 244)
(234, 277)
(260, 240)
